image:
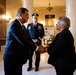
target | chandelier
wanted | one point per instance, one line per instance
(49, 8)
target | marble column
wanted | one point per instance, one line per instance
(29, 5)
(71, 13)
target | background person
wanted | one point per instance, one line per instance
(36, 32)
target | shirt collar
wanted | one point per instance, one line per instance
(19, 21)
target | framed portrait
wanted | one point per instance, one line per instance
(49, 33)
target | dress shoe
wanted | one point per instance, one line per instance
(29, 68)
(36, 69)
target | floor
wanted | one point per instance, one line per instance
(44, 69)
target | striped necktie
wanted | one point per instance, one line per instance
(24, 28)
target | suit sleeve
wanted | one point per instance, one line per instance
(22, 37)
(59, 46)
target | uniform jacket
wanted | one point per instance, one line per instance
(62, 51)
(36, 32)
(17, 43)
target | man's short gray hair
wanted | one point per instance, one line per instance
(65, 21)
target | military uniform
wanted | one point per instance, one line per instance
(35, 32)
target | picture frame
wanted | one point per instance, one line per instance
(49, 34)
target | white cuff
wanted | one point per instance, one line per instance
(36, 48)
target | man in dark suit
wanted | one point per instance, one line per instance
(36, 32)
(17, 44)
(62, 50)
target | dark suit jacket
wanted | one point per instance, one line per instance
(17, 43)
(36, 32)
(62, 51)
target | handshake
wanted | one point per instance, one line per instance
(42, 49)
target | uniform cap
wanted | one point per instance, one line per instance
(35, 15)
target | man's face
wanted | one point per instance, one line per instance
(34, 19)
(25, 16)
(59, 25)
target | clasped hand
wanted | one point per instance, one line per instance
(42, 49)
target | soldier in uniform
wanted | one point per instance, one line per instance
(36, 32)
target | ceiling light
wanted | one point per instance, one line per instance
(49, 8)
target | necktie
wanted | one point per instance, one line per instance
(24, 28)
